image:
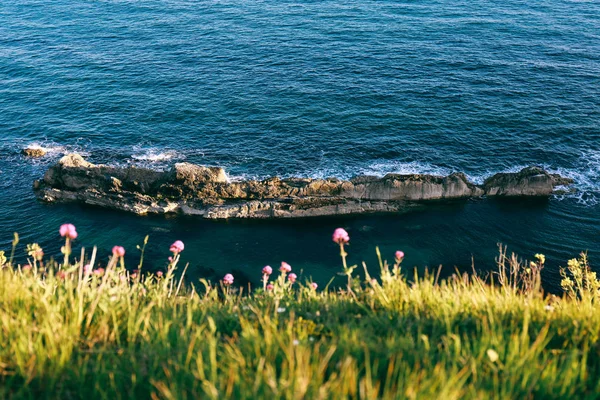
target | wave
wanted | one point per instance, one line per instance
(378, 168)
(54, 150)
(48, 148)
(152, 155)
(586, 175)
(381, 168)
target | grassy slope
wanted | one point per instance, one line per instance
(107, 337)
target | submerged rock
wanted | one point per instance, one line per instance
(205, 191)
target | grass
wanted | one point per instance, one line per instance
(68, 333)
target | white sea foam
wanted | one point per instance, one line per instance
(242, 177)
(479, 178)
(54, 150)
(586, 176)
(377, 168)
(154, 155)
(47, 147)
(381, 168)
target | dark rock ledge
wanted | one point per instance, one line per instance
(205, 191)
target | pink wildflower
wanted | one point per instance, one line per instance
(267, 270)
(228, 279)
(118, 251)
(292, 277)
(68, 231)
(61, 274)
(285, 267)
(399, 255)
(177, 247)
(26, 267)
(87, 269)
(314, 285)
(270, 286)
(159, 274)
(99, 271)
(340, 236)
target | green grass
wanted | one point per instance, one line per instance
(66, 335)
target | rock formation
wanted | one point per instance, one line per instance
(205, 191)
(34, 152)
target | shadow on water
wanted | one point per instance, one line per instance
(454, 234)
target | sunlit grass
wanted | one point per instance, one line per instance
(69, 330)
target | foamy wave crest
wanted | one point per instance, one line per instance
(48, 148)
(243, 177)
(479, 178)
(54, 150)
(381, 168)
(152, 155)
(377, 168)
(154, 158)
(587, 179)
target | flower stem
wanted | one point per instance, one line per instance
(347, 271)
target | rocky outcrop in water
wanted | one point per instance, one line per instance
(205, 191)
(531, 181)
(34, 152)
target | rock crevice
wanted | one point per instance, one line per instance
(205, 191)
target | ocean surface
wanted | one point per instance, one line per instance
(313, 88)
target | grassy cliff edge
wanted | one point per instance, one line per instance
(71, 329)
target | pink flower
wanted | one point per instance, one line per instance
(87, 269)
(270, 286)
(399, 255)
(340, 236)
(61, 274)
(177, 247)
(68, 231)
(285, 267)
(228, 279)
(118, 251)
(314, 285)
(267, 270)
(292, 277)
(26, 267)
(159, 274)
(99, 271)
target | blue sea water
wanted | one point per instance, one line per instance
(313, 88)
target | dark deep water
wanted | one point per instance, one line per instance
(317, 88)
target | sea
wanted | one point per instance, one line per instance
(323, 88)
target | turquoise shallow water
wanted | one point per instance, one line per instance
(318, 88)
